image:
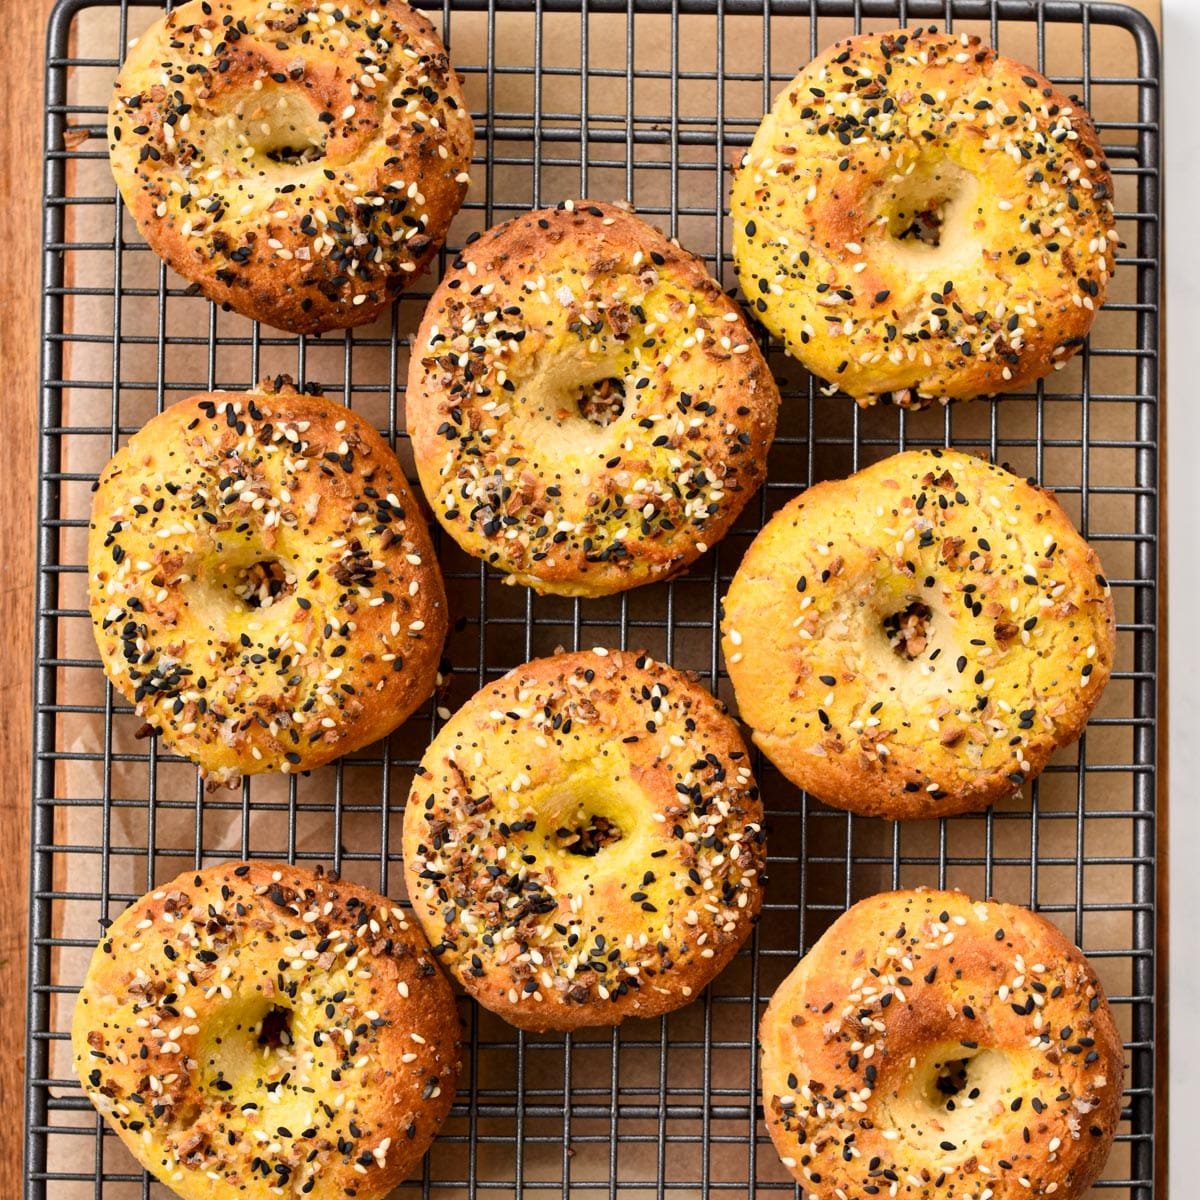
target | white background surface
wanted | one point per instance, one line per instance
(1181, 109)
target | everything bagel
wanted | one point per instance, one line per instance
(262, 584)
(937, 1047)
(588, 409)
(253, 1030)
(584, 842)
(301, 163)
(921, 219)
(918, 639)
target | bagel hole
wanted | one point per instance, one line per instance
(587, 839)
(263, 583)
(296, 151)
(956, 1083)
(275, 1028)
(951, 1080)
(908, 630)
(602, 401)
(922, 225)
(929, 207)
(274, 123)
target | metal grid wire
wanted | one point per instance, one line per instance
(645, 101)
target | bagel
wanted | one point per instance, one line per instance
(918, 639)
(920, 218)
(262, 585)
(588, 409)
(300, 163)
(937, 1047)
(584, 841)
(253, 1030)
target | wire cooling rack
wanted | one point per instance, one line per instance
(645, 101)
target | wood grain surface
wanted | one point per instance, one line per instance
(22, 42)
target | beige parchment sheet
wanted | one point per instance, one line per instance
(1083, 838)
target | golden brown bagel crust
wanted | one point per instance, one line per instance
(911, 995)
(176, 1035)
(533, 313)
(918, 639)
(213, 97)
(245, 667)
(872, 135)
(584, 841)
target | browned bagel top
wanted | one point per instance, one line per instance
(948, 1046)
(920, 218)
(584, 841)
(251, 1027)
(262, 583)
(589, 411)
(301, 163)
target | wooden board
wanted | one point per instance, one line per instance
(21, 41)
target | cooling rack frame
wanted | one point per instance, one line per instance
(602, 1115)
